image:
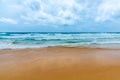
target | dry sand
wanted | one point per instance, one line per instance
(60, 63)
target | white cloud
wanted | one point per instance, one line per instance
(60, 12)
(8, 20)
(107, 10)
(55, 11)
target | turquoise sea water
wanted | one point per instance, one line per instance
(18, 40)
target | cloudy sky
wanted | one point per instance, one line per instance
(60, 15)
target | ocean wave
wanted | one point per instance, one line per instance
(33, 40)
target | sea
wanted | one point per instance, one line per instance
(22, 40)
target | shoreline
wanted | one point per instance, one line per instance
(60, 63)
(80, 47)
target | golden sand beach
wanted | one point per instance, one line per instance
(60, 63)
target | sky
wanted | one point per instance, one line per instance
(59, 15)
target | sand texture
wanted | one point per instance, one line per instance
(60, 63)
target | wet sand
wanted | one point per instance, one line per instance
(60, 63)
